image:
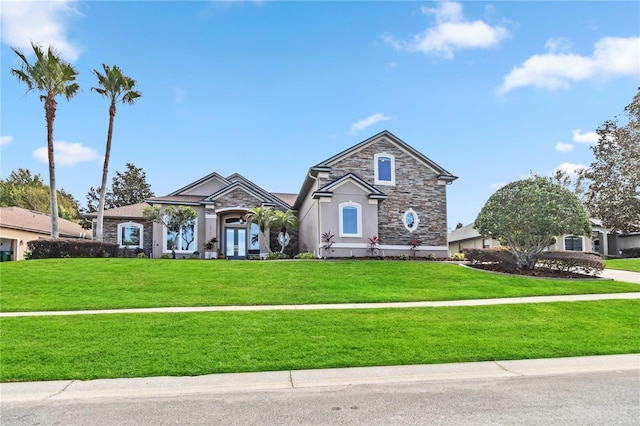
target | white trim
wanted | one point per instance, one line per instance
(230, 209)
(373, 201)
(119, 234)
(210, 216)
(392, 158)
(358, 208)
(195, 239)
(416, 220)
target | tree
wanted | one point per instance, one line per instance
(613, 193)
(179, 221)
(283, 220)
(128, 187)
(53, 77)
(528, 214)
(21, 189)
(262, 217)
(116, 87)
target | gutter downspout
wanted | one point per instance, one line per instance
(318, 234)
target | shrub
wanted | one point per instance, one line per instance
(141, 255)
(431, 256)
(404, 256)
(165, 256)
(458, 256)
(305, 255)
(631, 252)
(573, 261)
(276, 255)
(500, 255)
(71, 247)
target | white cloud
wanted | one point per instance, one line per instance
(5, 140)
(558, 44)
(564, 147)
(589, 137)
(451, 33)
(612, 57)
(569, 168)
(43, 22)
(366, 122)
(67, 153)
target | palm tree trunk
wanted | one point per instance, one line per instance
(105, 172)
(50, 114)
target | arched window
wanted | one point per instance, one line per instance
(350, 219)
(130, 235)
(385, 169)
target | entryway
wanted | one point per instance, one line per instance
(235, 242)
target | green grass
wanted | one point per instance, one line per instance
(73, 284)
(142, 345)
(632, 265)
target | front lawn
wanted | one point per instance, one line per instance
(141, 345)
(632, 265)
(73, 284)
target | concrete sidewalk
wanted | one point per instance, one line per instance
(340, 306)
(298, 379)
(626, 276)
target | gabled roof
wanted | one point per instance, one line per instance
(443, 174)
(186, 200)
(238, 184)
(133, 211)
(327, 190)
(39, 223)
(213, 175)
(236, 177)
(467, 232)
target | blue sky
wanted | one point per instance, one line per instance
(491, 91)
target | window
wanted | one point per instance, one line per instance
(130, 235)
(255, 239)
(410, 220)
(350, 219)
(573, 243)
(385, 169)
(184, 238)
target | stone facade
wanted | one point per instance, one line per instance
(110, 233)
(416, 187)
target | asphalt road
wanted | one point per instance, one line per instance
(611, 398)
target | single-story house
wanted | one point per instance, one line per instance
(18, 226)
(601, 241)
(380, 187)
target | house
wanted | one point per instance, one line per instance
(466, 237)
(601, 241)
(380, 187)
(18, 226)
(127, 227)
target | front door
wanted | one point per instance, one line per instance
(235, 243)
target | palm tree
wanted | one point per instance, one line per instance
(283, 220)
(261, 216)
(51, 76)
(116, 87)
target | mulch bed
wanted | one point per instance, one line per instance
(538, 272)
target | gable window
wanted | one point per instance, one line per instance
(573, 243)
(385, 169)
(184, 237)
(350, 219)
(130, 235)
(410, 220)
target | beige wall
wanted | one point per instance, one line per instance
(475, 243)
(16, 241)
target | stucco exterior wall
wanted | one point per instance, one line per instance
(10, 241)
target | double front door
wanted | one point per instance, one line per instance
(236, 243)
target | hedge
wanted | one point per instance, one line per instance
(631, 252)
(500, 255)
(71, 247)
(573, 261)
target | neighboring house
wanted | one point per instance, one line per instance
(18, 226)
(601, 241)
(466, 237)
(126, 227)
(380, 187)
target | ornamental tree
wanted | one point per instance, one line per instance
(175, 219)
(528, 214)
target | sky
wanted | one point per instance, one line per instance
(490, 91)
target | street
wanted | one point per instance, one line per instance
(580, 398)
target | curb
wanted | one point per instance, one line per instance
(301, 379)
